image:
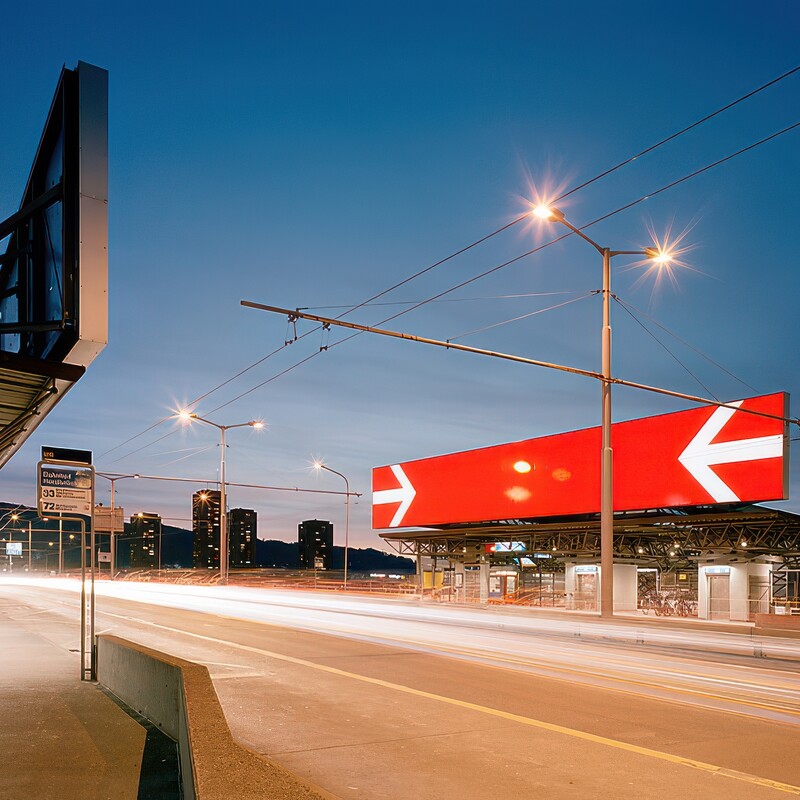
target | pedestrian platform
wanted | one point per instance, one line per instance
(60, 737)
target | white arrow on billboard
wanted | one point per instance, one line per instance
(700, 454)
(404, 495)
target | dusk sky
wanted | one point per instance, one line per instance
(314, 154)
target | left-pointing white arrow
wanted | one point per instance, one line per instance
(403, 495)
(700, 453)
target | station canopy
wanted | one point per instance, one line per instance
(670, 538)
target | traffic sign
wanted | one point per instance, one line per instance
(65, 489)
(706, 455)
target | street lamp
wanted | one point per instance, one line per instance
(114, 478)
(60, 541)
(16, 517)
(318, 465)
(661, 258)
(189, 417)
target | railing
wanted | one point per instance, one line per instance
(531, 597)
(790, 605)
(668, 604)
(294, 581)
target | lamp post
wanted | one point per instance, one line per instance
(16, 518)
(188, 417)
(60, 542)
(113, 478)
(661, 258)
(318, 465)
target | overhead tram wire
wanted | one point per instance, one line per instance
(631, 308)
(490, 271)
(678, 133)
(328, 321)
(537, 249)
(575, 189)
(700, 171)
(483, 239)
(563, 236)
(213, 410)
(277, 350)
(583, 296)
(664, 347)
(449, 300)
(598, 177)
(189, 405)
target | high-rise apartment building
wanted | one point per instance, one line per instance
(242, 537)
(315, 541)
(142, 542)
(205, 529)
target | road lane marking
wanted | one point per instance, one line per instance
(703, 766)
(547, 667)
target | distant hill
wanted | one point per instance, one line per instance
(272, 553)
(176, 547)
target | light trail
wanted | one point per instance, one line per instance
(684, 666)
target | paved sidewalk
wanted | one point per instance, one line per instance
(60, 737)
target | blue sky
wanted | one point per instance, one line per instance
(313, 154)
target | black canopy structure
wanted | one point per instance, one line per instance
(54, 260)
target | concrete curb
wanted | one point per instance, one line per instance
(178, 696)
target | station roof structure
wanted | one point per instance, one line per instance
(54, 260)
(29, 388)
(667, 537)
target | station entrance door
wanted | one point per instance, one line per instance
(719, 596)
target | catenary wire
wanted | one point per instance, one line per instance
(584, 227)
(561, 197)
(448, 300)
(507, 263)
(439, 295)
(524, 316)
(686, 344)
(601, 175)
(664, 347)
(678, 133)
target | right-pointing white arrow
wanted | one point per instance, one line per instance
(404, 495)
(700, 453)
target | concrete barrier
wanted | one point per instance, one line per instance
(787, 625)
(178, 697)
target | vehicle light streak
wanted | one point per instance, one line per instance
(678, 665)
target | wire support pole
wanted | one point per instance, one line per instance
(223, 517)
(607, 453)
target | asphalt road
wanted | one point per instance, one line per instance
(387, 699)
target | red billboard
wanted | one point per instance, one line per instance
(706, 455)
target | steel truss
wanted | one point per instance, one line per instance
(667, 538)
